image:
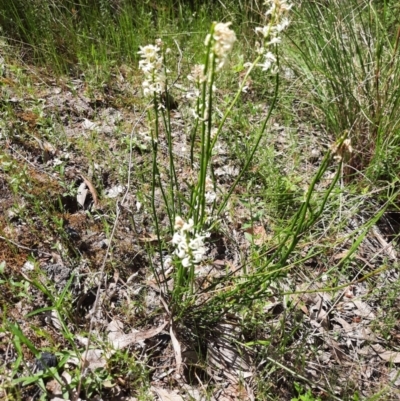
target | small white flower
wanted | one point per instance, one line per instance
(265, 30)
(167, 262)
(189, 250)
(198, 255)
(181, 253)
(186, 262)
(271, 10)
(269, 59)
(282, 25)
(284, 6)
(177, 238)
(210, 197)
(260, 49)
(146, 66)
(57, 162)
(149, 52)
(196, 243)
(274, 41)
(188, 226)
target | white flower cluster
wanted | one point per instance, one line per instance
(221, 42)
(151, 64)
(190, 247)
(277, 22)
(224, 38)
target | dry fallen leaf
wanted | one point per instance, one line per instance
(177, 350)
(363, 310)
(92, 190)
(94, 359)
(387, 356)
(166, 395)
(81, 195)
(124, 340)
(226, 356)
(259, 235)
(54, 387)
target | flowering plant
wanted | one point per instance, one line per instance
(189, 234)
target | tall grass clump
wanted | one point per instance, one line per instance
(69, 36)
(347, 55)
(194, 205)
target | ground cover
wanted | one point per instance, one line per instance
(207, 216)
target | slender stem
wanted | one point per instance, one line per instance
(155, 181)
(255, 147)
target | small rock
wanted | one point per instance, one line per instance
(45, 361)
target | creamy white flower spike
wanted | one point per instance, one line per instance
(151, 65)
(277, 22)
(190, 247)
(224, 38)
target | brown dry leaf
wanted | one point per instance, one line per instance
(94, 359)
(47, 148)
(225, 356)
(346, 326)
(177, 350)
(196, 394)
(363, 310)
(235, 392)
(387, 356)
(259, 234)
(115, 330)
(334, 346)
(340, 255)
(166, 395)
(55, 320)
(297, 300)
(54, 387)
(123, 340)
(149, 238)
